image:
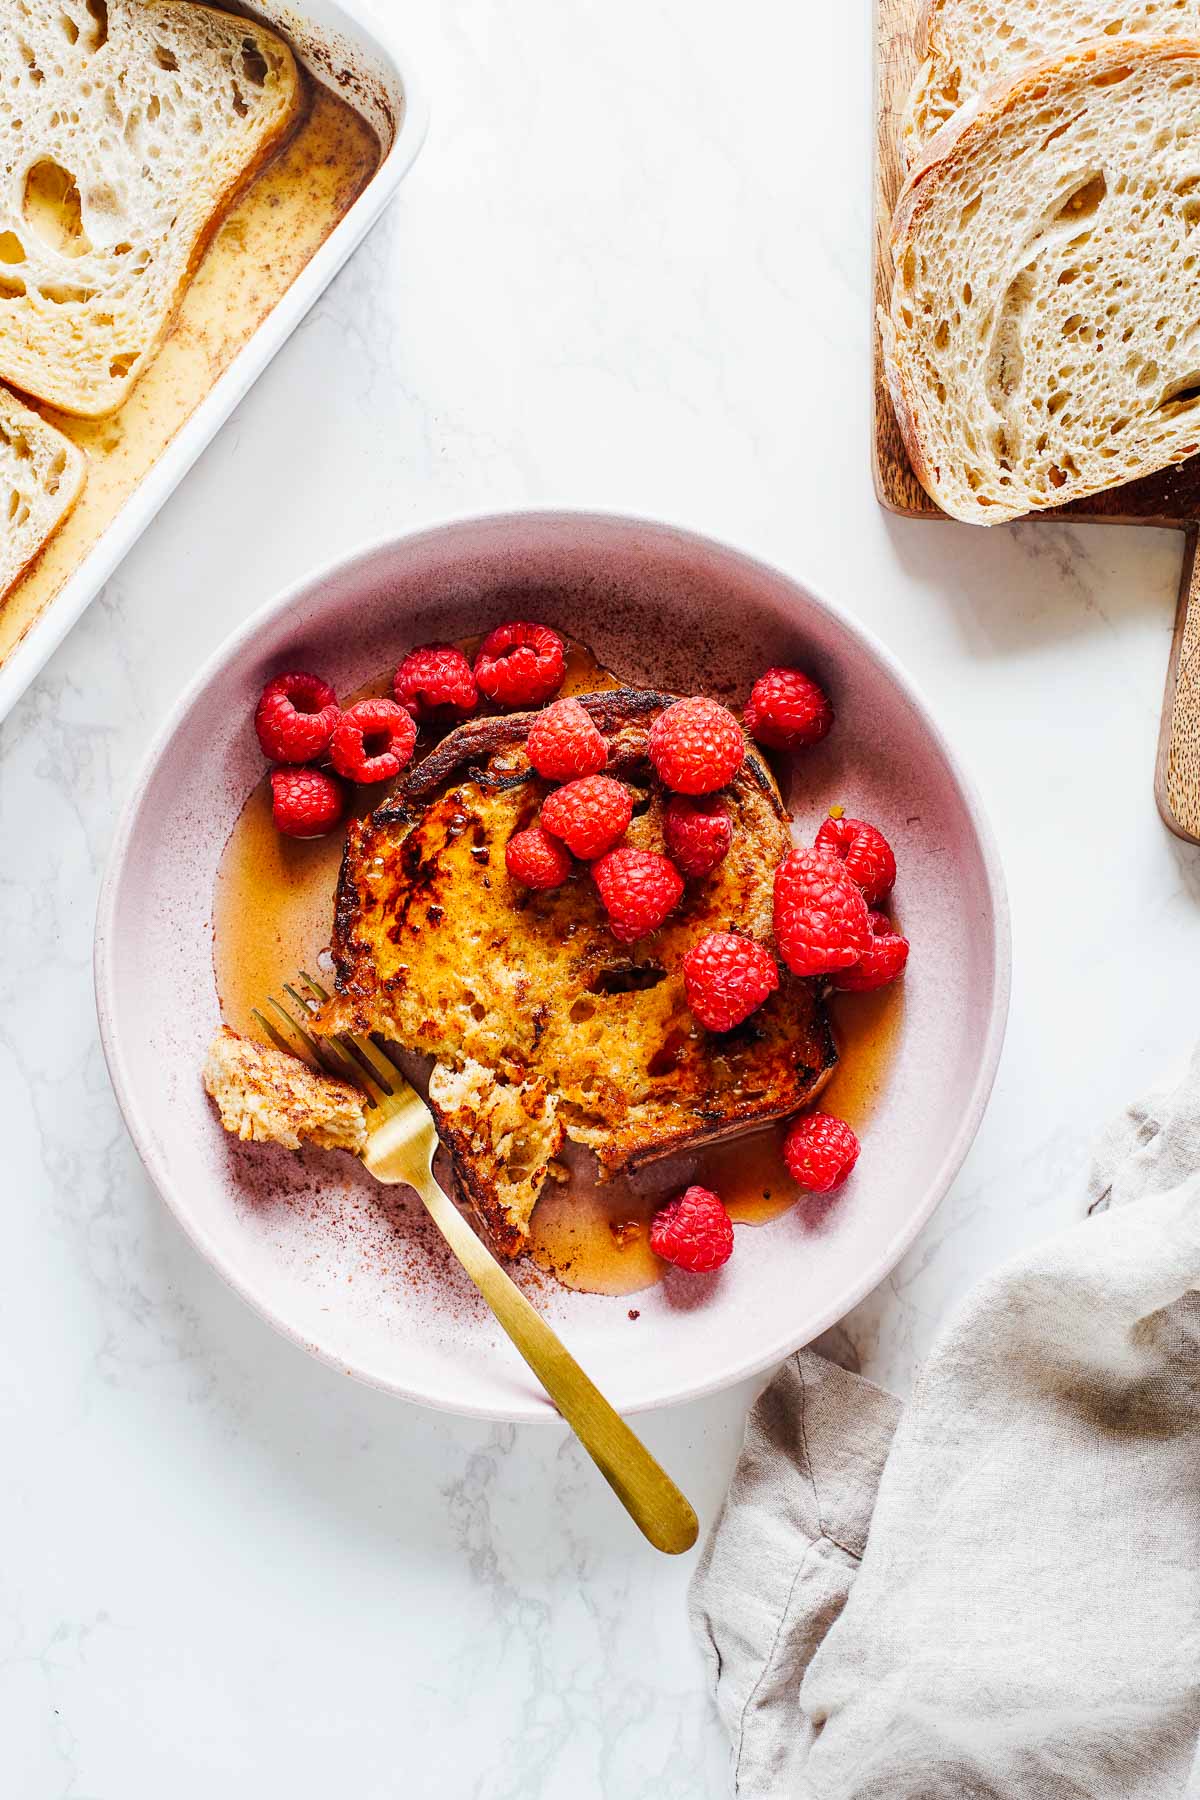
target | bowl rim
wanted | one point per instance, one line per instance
(536, 1410)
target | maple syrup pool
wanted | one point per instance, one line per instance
(272, 915)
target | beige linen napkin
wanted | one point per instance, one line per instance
(995, 1589)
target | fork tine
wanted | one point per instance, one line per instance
(305, 1036)
(382, 1067)
(348, 1042)
(348, 1054)
(348, 1071)
(332, 1046)
(385, 1056)
(358, 1048)
(301, 1002)
(328, 1055)
(279, 1042)
(379, 1062)
(328, 1050)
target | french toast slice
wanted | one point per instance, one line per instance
(436, 948)
(266, 1096)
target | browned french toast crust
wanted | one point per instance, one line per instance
(437, 948)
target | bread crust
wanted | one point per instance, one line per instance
(71, 482)
(505, 1234)
(952, 146)
(78, 463)
(615, 711)
(898, 393)
(473, 743)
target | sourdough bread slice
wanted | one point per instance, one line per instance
(1044, 334)
(126, 127)
(968, 46)
(41, 476)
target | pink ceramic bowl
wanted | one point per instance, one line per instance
(358, 1277)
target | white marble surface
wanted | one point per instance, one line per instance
(629, 271)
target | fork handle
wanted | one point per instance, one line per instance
(644, 1489)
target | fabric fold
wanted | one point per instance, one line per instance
(996, 1589)
(779, 1565)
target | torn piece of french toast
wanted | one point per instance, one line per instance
(267, 1096)
(526, 1002)
(502, 1137)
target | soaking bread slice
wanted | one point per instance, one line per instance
(126, 127)
(41, 475)
(968, 46)
(1044, 335)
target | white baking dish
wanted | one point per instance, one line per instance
(344, 46)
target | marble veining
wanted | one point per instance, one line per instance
(629, 271)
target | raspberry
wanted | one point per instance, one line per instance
(435, 683)
(589, 814)
(821, 920)
(693, 1231)
(638, 888)
(726, 978)
(698, 833)
(295, 717)
(536, 859)
(373, 741)
(305, 803)
(787, 711)
(563, 742)
(820, 1152)
(520, 664)
(865, 852)
(883, 960)
(696, 746)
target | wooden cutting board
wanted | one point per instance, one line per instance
(1170, 498)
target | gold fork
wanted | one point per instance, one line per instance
(401, 1141)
